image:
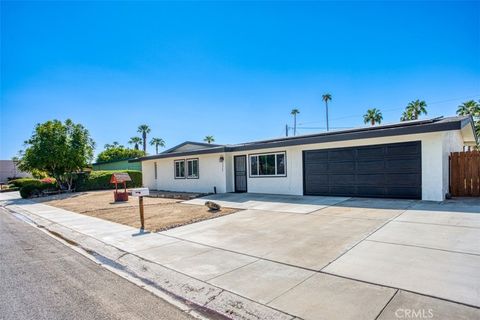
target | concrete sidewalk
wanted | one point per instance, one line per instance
(242, 285)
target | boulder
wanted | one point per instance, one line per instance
(212, 206)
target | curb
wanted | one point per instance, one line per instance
(196, 297)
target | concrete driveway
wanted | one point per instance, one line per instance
(310, 257)
(326, 257)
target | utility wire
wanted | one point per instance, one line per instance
(394, 109)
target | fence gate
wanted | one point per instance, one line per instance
(465, 174)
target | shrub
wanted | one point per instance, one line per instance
(32, 187)
(100, 180)
(30, 190)
(22, 181)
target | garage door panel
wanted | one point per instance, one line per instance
(313, 156)
(318, 180)
(370, 179)
(369, 191)
(348, 191)
(341, 179)
(402, 179)
(317, 168)
(341, 167)
(341, 155)
(403, 164)
(370, 165)
(389, 170)
(370, 152)
(402, 149)
(398, 192)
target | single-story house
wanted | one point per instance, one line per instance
(403, 160)
(116, 165)
(9, 170)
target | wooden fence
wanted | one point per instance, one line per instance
(465, 174)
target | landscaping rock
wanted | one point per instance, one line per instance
(213, 206)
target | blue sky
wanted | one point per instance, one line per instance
(229, 69)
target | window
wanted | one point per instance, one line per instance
(268, 165)
(155, 169)
(179, 169)
(192, 168)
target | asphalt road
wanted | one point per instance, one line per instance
(40, 278)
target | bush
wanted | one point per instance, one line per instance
(22, 181)
(29, 190)
(34, 187)
(100, 180)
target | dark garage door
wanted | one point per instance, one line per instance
(387, 171)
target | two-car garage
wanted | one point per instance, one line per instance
(387, 170)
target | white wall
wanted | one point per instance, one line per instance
(212, 173)
(434, 162)
(148, 175)
(452, 142)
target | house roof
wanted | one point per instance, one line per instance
(400, 128)
(201, 145)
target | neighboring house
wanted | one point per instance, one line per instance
(117, 165)
(403, 160)
(8, 169)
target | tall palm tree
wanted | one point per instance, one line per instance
(144, 130)
(157, 142)
(114, 144)
(467, 108)
(294, 113)
(414, 109)
(326, 98)
(135, 141)
(373, 116)
(209, 139)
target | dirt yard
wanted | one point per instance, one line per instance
(160, 213)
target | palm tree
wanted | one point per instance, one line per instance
(327, 97)
(373, 116)
(414, 109)
(144, 129)
(114, 144)
(294, 113)
(157, 142)
(209, 139)
(469, 108)
(135, 141)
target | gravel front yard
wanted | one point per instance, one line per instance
(160, 213)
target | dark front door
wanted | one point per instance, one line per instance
(240, 168)
(387, 170)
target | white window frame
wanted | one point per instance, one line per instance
(188, 175)
(175, 169)
(257, 174)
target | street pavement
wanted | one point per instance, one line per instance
(40, 278)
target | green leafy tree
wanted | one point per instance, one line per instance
(119, 153)
(136, 142)
(294, 113)
(414, 109)
(59, 149)
(373, 116)
(157, 142)
(326, 98)
(144, 130)
(209, 139)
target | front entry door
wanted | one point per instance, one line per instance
(240, 165)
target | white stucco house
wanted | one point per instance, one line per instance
(403, 160)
